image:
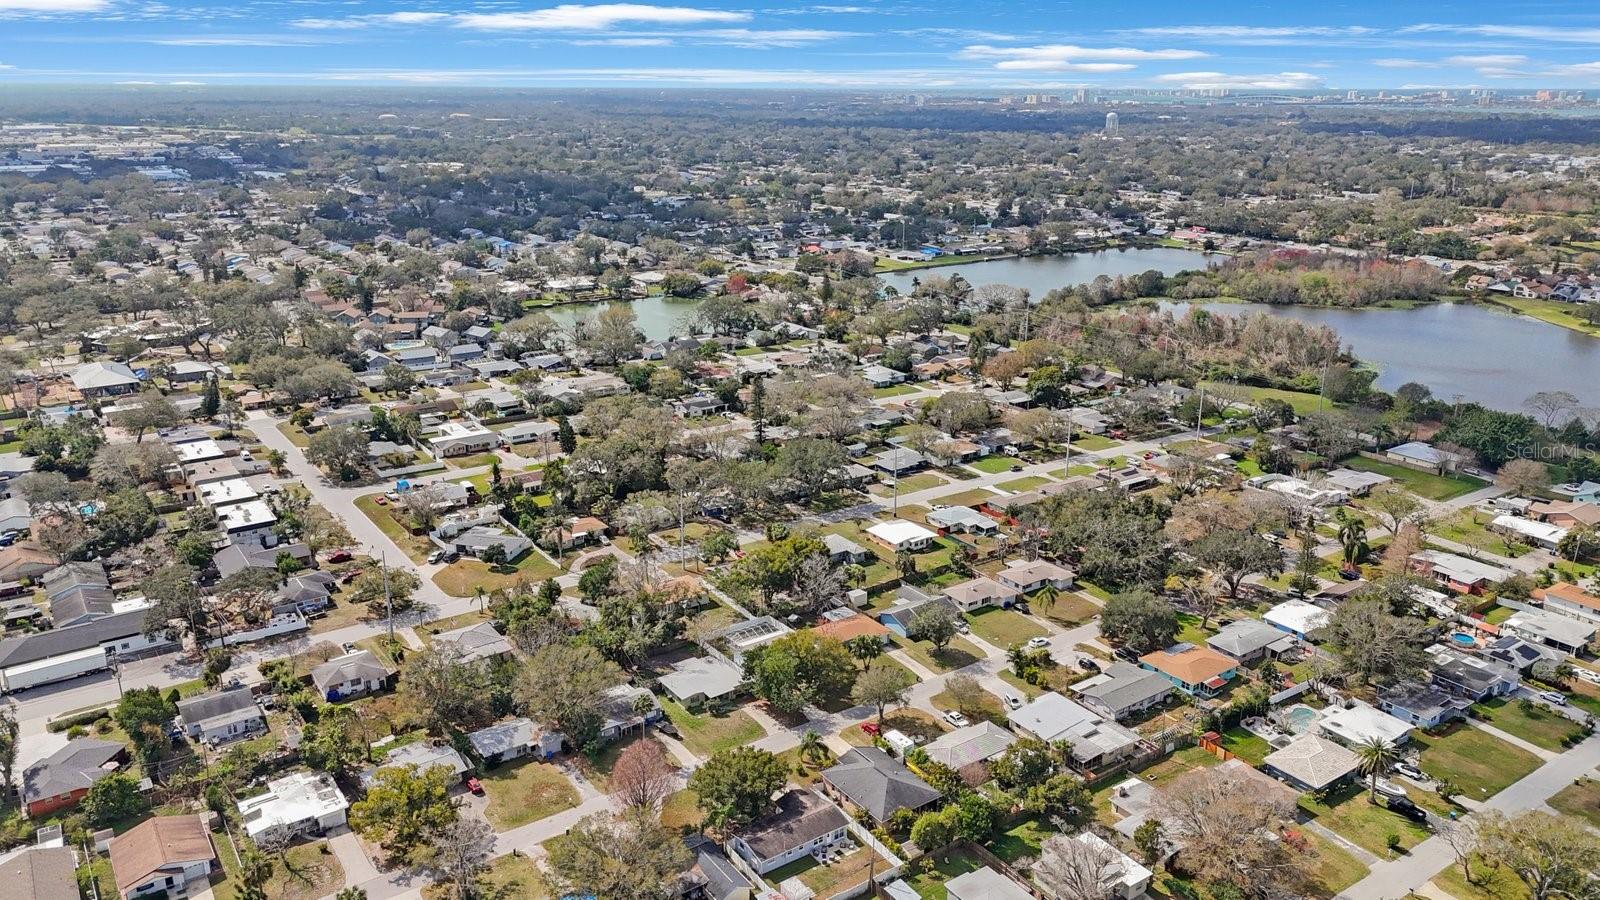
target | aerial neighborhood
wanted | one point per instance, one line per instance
(378, 524)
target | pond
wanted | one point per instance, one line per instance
(1042, 274)
(659, 317)
(1481, 354)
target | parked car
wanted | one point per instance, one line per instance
(1012, 701)
(962, 626)
(1022, 606)
(870, 728)
(1016, 467)
(1038, 643)
(956, 719)
(1404, 807)
(1556, 697)
(1088, 664)
(1127, 654)
(381, 501)
(475, 786)
(665, 726)
(339, 556)
(1409, 771)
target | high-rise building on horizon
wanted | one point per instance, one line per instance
(1111, 124)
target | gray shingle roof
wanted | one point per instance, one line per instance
(878, 783)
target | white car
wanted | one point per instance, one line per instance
(1038, 643)
(1409, 771)
(1556, 697)
(1013, 701)
(956, 719)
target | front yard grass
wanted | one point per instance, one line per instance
(993, 710)
(955, 655)
(1093, 442)
(1364, 824)
(306, 872)
(1533, 723)
(462, 577)
(1018, 485)
(911, 484)
(478, 460)
(1069, 608)
(1477, 762)
(908, 720)
(1336, 868)
(1580, 799)
(1424, 484)
(1488, 882)
(415, 547)
(526, 792)
(993, 465)
(1004, 628)
(682, 810)
(706, 734)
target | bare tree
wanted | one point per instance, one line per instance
(1550, 406)
(642, 778)
(1078, 868)
(817, 583)
(424, 504)
(1393, 505)
(461, 851)
(1227, 828)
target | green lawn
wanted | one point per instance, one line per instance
(1471, 528)
(296, 435)
(911, 483)
(929, 883)
(1302, 402)
(1479, 763)
(1537, 726)
(527, 792)
(1004, 628)
(1363, 823)
(893, 390)
(993, 465)
(1069, 608)
(1580, 799)
(1018, 485)
(908, 720)
(463, 577)
(306, 872)
(1336, 868)
(1488, 882)
(682, 810)
(415, 547)
(1424, 484)
(472, 462)
(825, 881)
(1553, 312)
(1020, 840)
(706, 734)
(956, 654)
(1073, 471)
(991, 706)
(1093, 442)
(1249, 747)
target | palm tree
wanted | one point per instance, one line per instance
(812, 747)
(1046, 598)
(1375, 754)
(1353, 535)
(865, 647)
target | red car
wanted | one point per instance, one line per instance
(475, 786)
(340, 556)
(870, 728)
(381, 501)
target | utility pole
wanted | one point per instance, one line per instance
(388, 598)
(1200, 414)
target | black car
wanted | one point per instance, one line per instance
(1087, 664)
(666, 727)
(1408, 809)
(1021, 606)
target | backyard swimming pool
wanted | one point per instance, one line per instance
(1299, 718)
(1464, 639)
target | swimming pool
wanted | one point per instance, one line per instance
(1464, 639)
(1299, 718)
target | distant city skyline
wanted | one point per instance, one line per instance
(977, 47)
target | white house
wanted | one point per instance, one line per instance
(351, 675)
(801, 823)
(300, 804)
(1032, 575)
(462, 439)
(898, 534)
(249, 522)
(1360, 723)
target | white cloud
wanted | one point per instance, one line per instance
(1487, 59)
(55, 6)
(779, 37)
(1404, 64)
(238, 40)
(626, 42)
(1521, 32)
(1255, 34)
(394, 18)
(1277, 81)
(1070, 57)
(599, 17)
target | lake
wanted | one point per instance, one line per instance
(662, 317)
(1482, 353)
(1042, 274)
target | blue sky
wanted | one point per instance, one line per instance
(974, 45)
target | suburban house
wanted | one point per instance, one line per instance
(223, 716)
(910, 601)
(843, 550)
(513, 739)
(1521, 656)
(474, 642)
(351, 675)
(1311, 762)
(984, 884)
(703, 679)
(981, 592)
(899, 460)
(162, 856)
(1197, 671)
(1568, 599)
(898, 535)
(627, 709)
(477, 540)
(971, 745)
(1248, 641)
(1539, 534)
(1123, 690)
(104, 379)
(1123, 878)
(962, 520)
(1458, 573)
(1296, 617)
(1427, 458)
(578, 532)
(301, 804)
(1096, 740)
(1472, 676)
(462, 439)
(1028, 576)
(1569, 635)
(844, 624)
(424, 756)
(62, 779)
(1422, 705)
(39, 873)
(874, 781)
(801, 823)
(1360, 723)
